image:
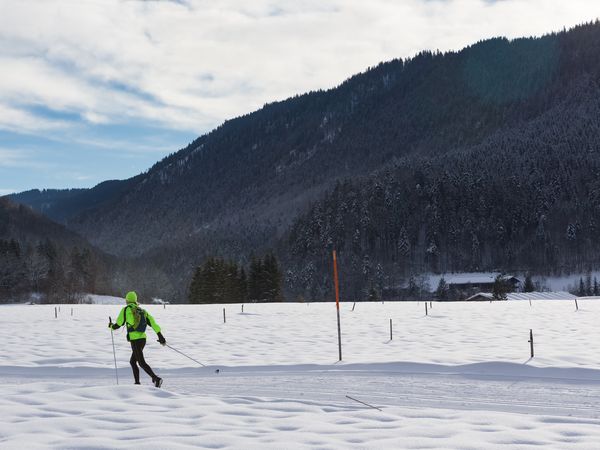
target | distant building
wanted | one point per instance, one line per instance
(520, 296)
(481, 282)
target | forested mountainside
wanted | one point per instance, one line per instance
(21, 223)
(40, 256)
(62, 204)
(528, 200)
(468, 159)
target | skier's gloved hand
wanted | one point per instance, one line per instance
(161, 339)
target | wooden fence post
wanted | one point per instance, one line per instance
(353, 306)
(576, 305)
(531, 341)
(224, 319)
(55, 313)
(391, 335)
(426, 312)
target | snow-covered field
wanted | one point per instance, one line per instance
(460, 377)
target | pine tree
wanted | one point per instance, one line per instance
(271, 279)
(194, 295)
(581, 291)
(528, 285)
(255, 280)
(372, 295)
(243, 286)
(413, 290)
(441, 293)
(500, 288)
(588, 284)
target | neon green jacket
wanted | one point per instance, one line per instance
(135, 335)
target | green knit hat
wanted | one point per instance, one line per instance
(131, 297)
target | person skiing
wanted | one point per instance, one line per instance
(136, 319)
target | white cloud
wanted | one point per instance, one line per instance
(15, 119)
(19, 159)
(191, 64)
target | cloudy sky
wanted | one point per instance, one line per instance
(101, 89)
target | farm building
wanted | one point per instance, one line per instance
(483, 282)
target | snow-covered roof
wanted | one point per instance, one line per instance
(486, 295)
(473, 278)
(540, 296)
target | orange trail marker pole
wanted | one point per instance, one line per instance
(337, 302)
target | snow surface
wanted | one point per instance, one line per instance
(460, 377)
(520, 296)
(540, 296)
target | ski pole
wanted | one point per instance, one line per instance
(366, 404)
(113, 344)
(181, 353)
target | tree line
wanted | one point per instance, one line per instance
(222, 281)
(51, 272)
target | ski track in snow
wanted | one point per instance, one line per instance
(279, 388)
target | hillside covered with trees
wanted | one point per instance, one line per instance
(43, 258)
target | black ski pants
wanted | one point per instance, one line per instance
(137, 357)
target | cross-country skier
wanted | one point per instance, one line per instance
(136, 319)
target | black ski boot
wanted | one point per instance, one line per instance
(158, 382)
